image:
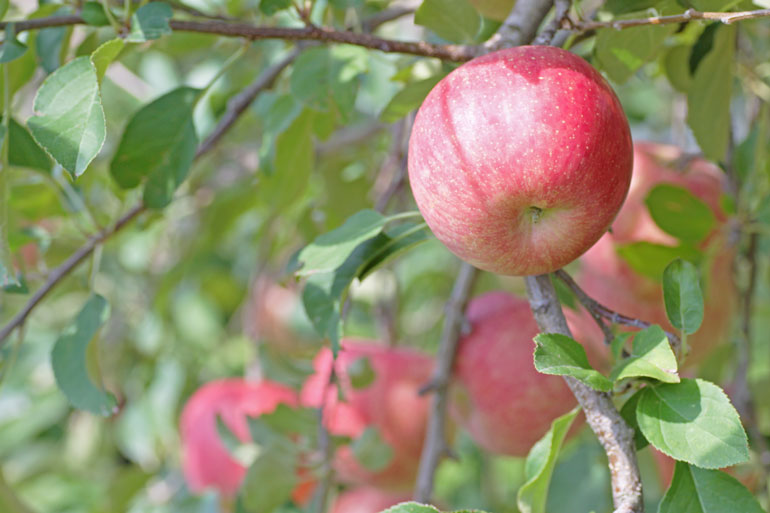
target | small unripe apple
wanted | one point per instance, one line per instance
(609, 279)
(504, 403)
(520, 159)
(387, 400)
(206, 462)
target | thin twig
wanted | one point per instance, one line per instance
(688, 15)
(435, 445)
(326, 450)
(264, 80)
(615, 436)
(598, 311)
(239, 103)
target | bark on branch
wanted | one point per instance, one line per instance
(435, 445)
(615, 436)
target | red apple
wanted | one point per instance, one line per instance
(504, 403)
(206, 461)
(390, 403)
(607, 277)
(366, 499)
(520, 159)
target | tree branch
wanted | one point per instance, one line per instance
(235, 109)
(616, 437)
(435, 445)
(598, 311)
(688, 15)
(65, 268)
(521, 25)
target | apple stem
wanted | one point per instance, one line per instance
(535, 214)
(614, 434)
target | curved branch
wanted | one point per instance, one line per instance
(65, 268)
(435, 445)
(598, 311)
(455, 53)
(616, 437)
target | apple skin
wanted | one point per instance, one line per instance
(390, 403)
(498, 396)
(519, 160)
(606, 277)
(365, 499)
(206, 462)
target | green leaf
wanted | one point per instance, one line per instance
(621, 52)
(649, 259)
(371, 451)
(158, 145)
(618, 343)
(682, 296)
(361, 373)
(330, 250)
(411, 507)
(692, 421)
(650, 357)
(456, 21)
(625, 6)
(393, 241)
(708, 98)
(698, 490)
(675, 65)
(679, 213)
(269, 481)
(628, 412)
(48, 45)
(69, 360)
(562, 356)
(70, 123)
(287, 420)
(150, 22)
(93, 14)
(702, 47)
(24, 151)
(12, 48)
(105, 54)
(409, 98)
(328, 78)
(3, 8)
(294, 160)
(541, 460)
(270, 7)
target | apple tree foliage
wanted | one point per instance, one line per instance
(152, 173)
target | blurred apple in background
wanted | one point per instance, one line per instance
(366, 499)
(206, 461)
(607, 277)
(498, 396)
(275, 315)
(376, 387)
